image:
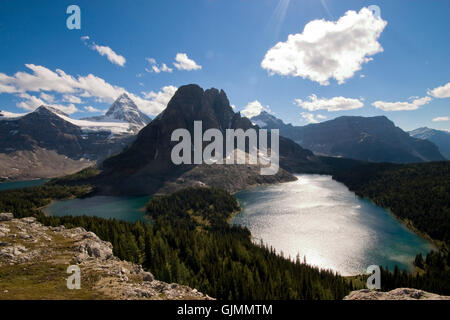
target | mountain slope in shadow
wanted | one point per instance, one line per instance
(146, 166)
(374, 139)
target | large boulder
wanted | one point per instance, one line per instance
(6, 216)
(97, 249)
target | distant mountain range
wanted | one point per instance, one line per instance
(440, 138)
(374, 139)
(48, 143)
(146, 167)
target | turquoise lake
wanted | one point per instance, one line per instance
(22, 184)
(320, 219)
(129, 209)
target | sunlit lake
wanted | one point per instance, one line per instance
(321, 219)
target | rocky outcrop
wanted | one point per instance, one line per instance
(26, 244)
(232, 178)
(6, 216)
(396, 294)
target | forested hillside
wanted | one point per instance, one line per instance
(190, 242)
(416, 193)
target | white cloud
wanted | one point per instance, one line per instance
(328, 49)
(150, 70)
(157, 101)
(71, 98)
(31, 102)
(91, 109)
(110, 54)
(47, 97)
(441, 92)
(401, 106)
(7, 89)
(154, 67)
(311, 118)
(254, 108)
(69, 109)
(90, 86)
(165, 68)
(439, 119)
(184, 63)
(333, 104)
(105, 51)
(41, 79)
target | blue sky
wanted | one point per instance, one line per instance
(225, 43)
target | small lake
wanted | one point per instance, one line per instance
(129, 209)
(22, 184)
(321, 219)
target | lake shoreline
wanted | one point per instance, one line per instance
(406, 222)
(255, 237)
(399, 251)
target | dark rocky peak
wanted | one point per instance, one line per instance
(191, 103)
(146, 164)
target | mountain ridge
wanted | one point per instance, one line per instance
(373, 139)
(439, 137)
(47, 143)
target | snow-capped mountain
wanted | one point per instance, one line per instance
(122, 118)
(124, 110)
(52, 129)
(266, 120)
(47, 143)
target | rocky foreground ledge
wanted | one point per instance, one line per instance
(34, 261)
(396, 294)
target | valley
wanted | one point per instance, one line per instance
(252, 153)
(175, 218)
(328, 225)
